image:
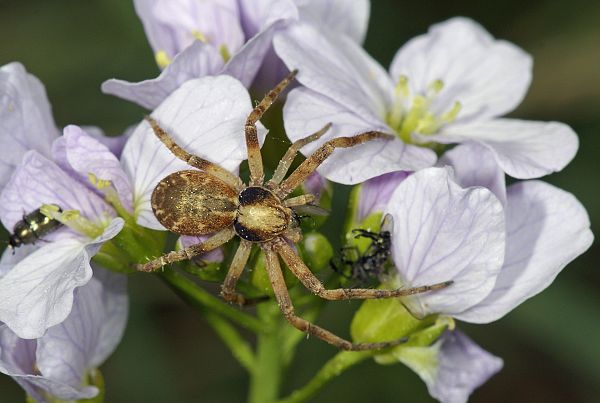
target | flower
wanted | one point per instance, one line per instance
(61, 363)
(447, 86)
(193, 40)
(38, 289)
(452, 367)
(26, 121)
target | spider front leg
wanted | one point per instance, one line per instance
(211, 243)
(312, 283)
(285, 304)
(312, 163)
(254, 156)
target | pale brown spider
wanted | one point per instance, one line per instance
(213, 200)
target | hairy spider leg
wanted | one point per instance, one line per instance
(233, 275)
(254, 156)
(287, 308)
(290, 154)
(313, 284)
(192, 160)
(310, 164)
(211, 243)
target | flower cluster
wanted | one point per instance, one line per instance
(64, 305)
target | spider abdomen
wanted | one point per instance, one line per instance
(194, 203)
(261, 215)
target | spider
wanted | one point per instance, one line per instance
(211, 200)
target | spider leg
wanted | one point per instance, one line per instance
(288, 158)
(300, 200)
(233, 275)
(211, 243)
(254, 156)
(287, 308)
(192, 160)
(312, 283)
(311, 163)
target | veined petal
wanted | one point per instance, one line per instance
(17, 359)
(11, 257)
(306, 111)
(443, 232)
(546, 229)
(215, 255)
(80, 154)
(26, 121)
(64, 352)
(171, 26)
(488, 77)
(197, 60)
(204, 116)
(38, 292)
(474, 165)
(114, 143)
(348, 17)
(39, 181)
(257, 15)
(336, 67)
(524, 149)
(116, 308)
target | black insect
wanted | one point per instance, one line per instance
(369, 267)
(32, 228)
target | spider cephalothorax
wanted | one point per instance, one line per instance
(214, 201)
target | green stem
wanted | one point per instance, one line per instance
(265, 380)
(195, 295)
(332, 369)
(239, 347)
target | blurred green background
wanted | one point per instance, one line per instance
(550, 344)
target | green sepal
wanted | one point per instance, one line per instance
(94, 378)
(316, 251)
(384, 320)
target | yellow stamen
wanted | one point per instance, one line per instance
(162, 59)
(402, 87)
(200, 36)
(224, 52)
(450, 116)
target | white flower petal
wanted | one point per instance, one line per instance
(336, 67)
(376, 193)
(17, 359)
(39, 181)
(11, 257)
(463, 366)
(38, 292)
(524, 149)
(116, 308)
(546, 229)
(195, 61)
(488, 77)
(474, 165)
(171, 26)
(204, 116)
(443, 232)
(306, 111)
(80, 154)
(64, 353)
(257, 15)
(26, 121)
(348, 17)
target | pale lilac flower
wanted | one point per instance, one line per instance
(55, 365)
(375, 193)
(26, 121)
(447, 86)
(452, 368)
(546, 228)
(38, 290)
(206, 117)
(196, 39)
(443, 232)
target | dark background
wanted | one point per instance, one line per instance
(549, 344)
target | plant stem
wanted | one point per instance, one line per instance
(265, 380)
(332, 368)
(197, 296)
(239, 347)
